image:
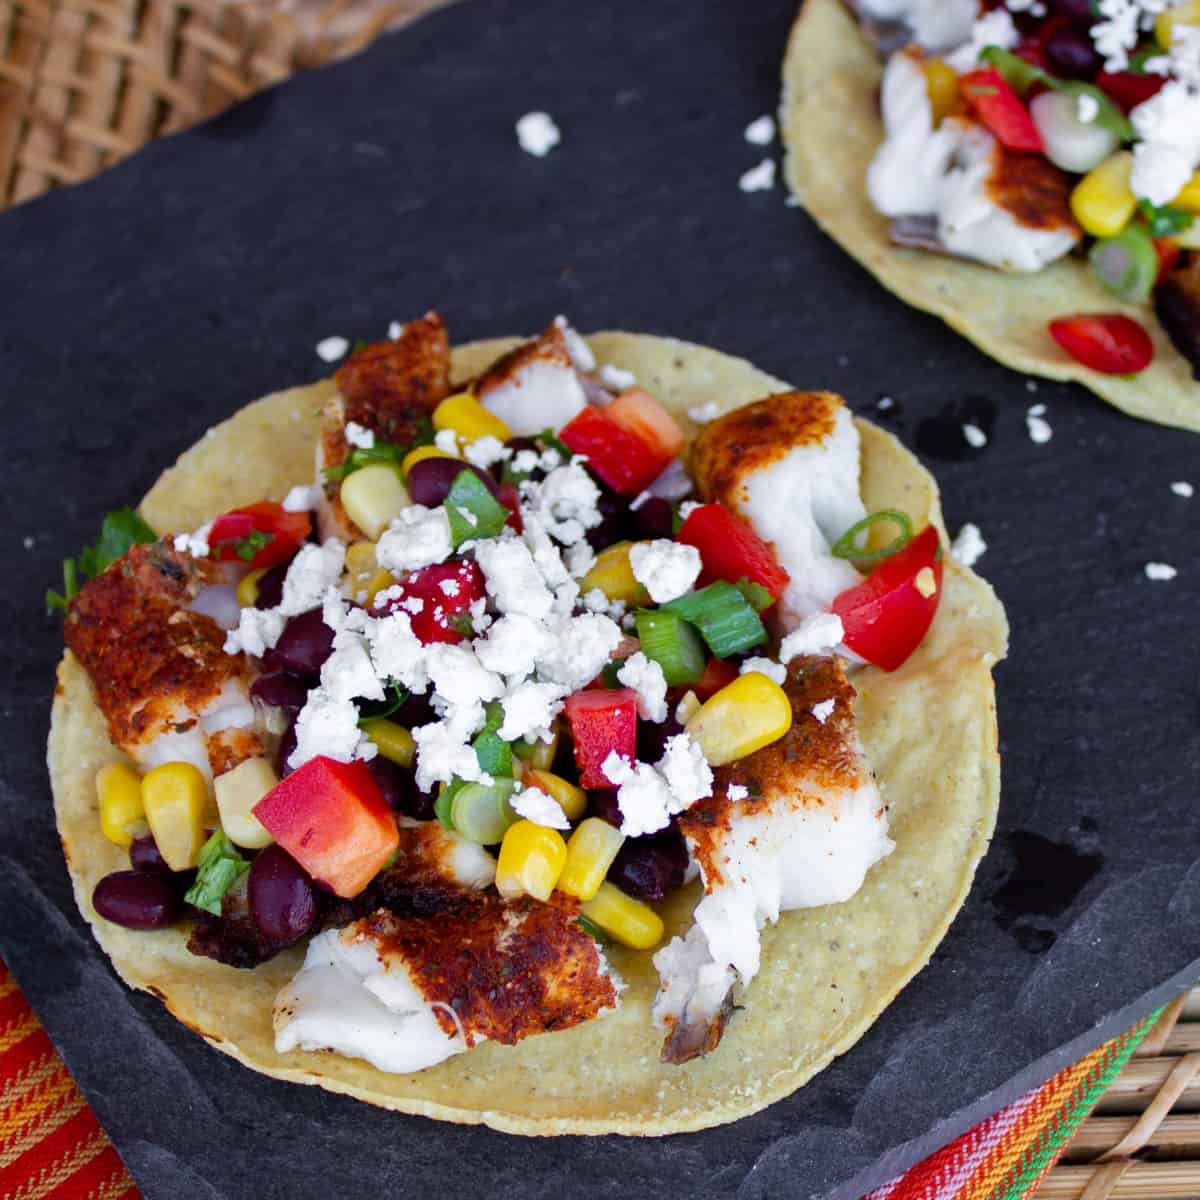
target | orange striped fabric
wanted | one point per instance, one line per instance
(51, 1145)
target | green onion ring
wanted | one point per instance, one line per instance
(847, 545)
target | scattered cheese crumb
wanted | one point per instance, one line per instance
(760, 132)
(974, 436)
(359, 435)
(617, 377)
(666, 569)
(538, 134)
(330, 349)
(534, 805)
(760, 178)
(818, 634)
(645, 676)
(969, 547)
(926, 582)
(824, 710)
(195, 544)
(304, 497)
(885, 403)
(1183, 488)
(765, 666)
(735, 792)
(1039, 428)
(1160, 572)
(28, 542)
(705, 413)
(418, 537)
(395, 331)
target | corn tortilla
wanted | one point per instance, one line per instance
(929, 729)
(831, 127)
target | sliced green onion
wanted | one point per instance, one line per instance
(1165, 220)
(481, 812)
(847, 546)
(1126, 265)
(494, 754)
(755, 593)
(473, 511)
(444, 803)
(726, 619)
(671, 642)
(1022, 75)
(221, 866)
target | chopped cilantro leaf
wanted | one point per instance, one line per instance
(252, 543)
(121, 529)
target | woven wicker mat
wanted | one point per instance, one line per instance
(83, 83)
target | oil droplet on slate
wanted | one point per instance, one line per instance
(1045, 881)
(942, 436)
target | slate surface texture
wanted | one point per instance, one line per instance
(146, 305)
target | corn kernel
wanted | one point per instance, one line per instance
(941, 83)
(613, 575)
(1178, 15)
(394, 741)
(590, 853)
(119, 796)
(623, 918)
(247, 588)
(571, 799)
(469, 419)
(420, 454)
(175, 797)
(1103, 200)
(238, 791)
(531, 860)
(372, 497)
(745, 715)
(687, 708)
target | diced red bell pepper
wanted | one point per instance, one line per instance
(1109, 342)
(1001, 109)
(640, 413)
(887, 615)
(1128, 88)
(718, 673)
(624, 460)
(333, 820)
(731, 550)
(260, 535)
(446, 591)
(1168, 257)
(601, 722)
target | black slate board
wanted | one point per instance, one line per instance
(144, 306)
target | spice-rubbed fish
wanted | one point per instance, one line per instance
(789, 465)
(794, 825)
(535, 386)
(406, 994)
(387, 391)
(163, 681)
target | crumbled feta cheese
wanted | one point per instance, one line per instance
(760, 178)
(28, 542)
(564, 503)
(313, 571)
(395, 331)
(645, 677)
(705, 412)
(995, 28)
(735, 792)
(485, 451)
(446, 440)
(195, 544)
(687, 508)
(413, 604)
(1183, 488)
(760, 132)
(643, 795)
(513, 645)
(529, 711)
(397, 652)
(1039, 428)
(304, 497)
(525, 461)
(666, 569)
(582, 645)
(580, 559)
(359, 435)
(328, 726)
(686, 771)
(818, 634)
(258, 630)
(534, 805)
(537, 134)
(348, 674)
(1160, 572)
(617, 378)
(926, 582)
(582, 358)
(442, 753)
(512, 577)
(1169, 152)
(969, 547)
(418, 537)
(824, 710)
(765, 666)
(459, 679)
(974, 436)
(330, 349)
(885, 403)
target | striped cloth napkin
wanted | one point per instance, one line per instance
(52, 1147)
